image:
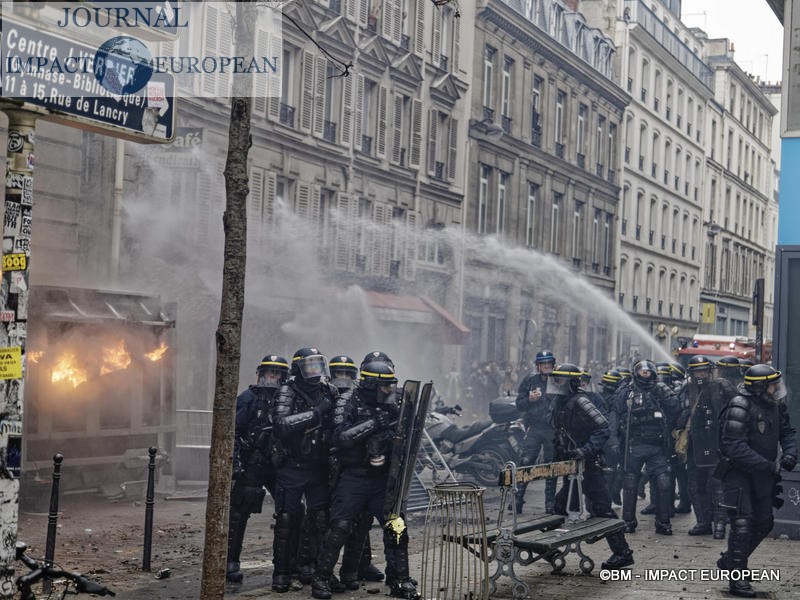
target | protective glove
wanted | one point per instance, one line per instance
(788, 462)
(324, 407)
(382, 419)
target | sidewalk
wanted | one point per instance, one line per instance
(103, 540)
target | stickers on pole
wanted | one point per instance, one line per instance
(11, 363)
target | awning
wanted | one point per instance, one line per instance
(57, 303)
(418, 310)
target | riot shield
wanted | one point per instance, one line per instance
(408, 404)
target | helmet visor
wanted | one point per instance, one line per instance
(557, 386)
(314, 366)
(780, 392)
(270, 377)
(342, 379)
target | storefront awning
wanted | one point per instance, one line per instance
(418, 310)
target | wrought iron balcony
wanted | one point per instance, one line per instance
(581, 159)
(559, 150)
(405, 42)
(330, 132)
(536, 136)
(598, 169)
(576, 262)
(488, 114)
(621, 298)
(506, 123)
(286, 115)
(366, 144)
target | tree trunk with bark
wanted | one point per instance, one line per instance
(229, 330)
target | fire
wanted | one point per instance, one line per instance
(158, 353)
(35, 355)
(67, 369)
(115, 358)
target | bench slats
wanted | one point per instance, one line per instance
(591, 530)
(536, 523)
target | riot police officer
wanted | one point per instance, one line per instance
(581, 431)
(303, 424)
(609, 383)
(536, 408)
(252, 455)
(730, 369)
(702, 400)
(364, 431)
(357, 553)
(753, 425)
(646, 409)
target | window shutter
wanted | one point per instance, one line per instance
(363, 12)
(397, 128)
(307, 92)
(210, 42)
(256, 204)
(410, 262)
(351, 9)
(419, 28)
(433, 134)
(345, 242)
(387, 19)
(380, 133)
(436, 38)
(397, 24)
(314, 207)
(320, 76)
(358, 112)
(275, 92)
(302, 200)
(381, 239)
(225, 48)
(416, 133)
(347, 111)
(261, 83)
(452, 149)
(270, 189)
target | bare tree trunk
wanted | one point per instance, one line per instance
(229, 330)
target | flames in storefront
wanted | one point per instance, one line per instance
(74, 366)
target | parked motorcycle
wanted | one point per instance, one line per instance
(482, 448)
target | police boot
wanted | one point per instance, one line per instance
(648, 510)
(629, 502)
(684, 502)
(615, 486)
(397, 573)
(282, 558)
(326, 559)
(315, 525)
(622, 554)
(664, 496)
(366, 570)
(739, 547)
(236, 528)
(351, 556)
(719, 529)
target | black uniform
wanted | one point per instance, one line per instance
(581, 431)
(363, 439)
(645, 416)
(537, 417)
(252, 464)
(753, 425)
(703, 403)
(303, 425)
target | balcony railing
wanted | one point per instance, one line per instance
(372, 25)
(581, 160)
(329, 133)
(438, 170)
(598, 169)
(559, 150)
(488, 114)
(612, 176)
(443, 62)
(576, 262)
(366, 144)
(536, 136)
(505, 123)
(595, 267)
(405, 42)
(607, 270)
(286, 115)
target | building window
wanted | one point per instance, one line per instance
(599, 154)
(582, 112)
(561, 99)
(507, 64)
(576, 234)
(530, 215)
(502, 181)
(483, 197)
(555, 222)
(607, 244)
(488, 75)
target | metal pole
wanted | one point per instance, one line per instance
(148, 511)
(14, 327)
(52, 518)
(758, 318)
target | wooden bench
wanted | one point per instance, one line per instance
(515, 543)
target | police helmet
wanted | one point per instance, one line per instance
(272, 371)
(758, 377)
(586, 377)
(564, 380)
(611, 379)
(678, 372)
(663, 371)
(545, 356)
(624, 372)
(699, 368)
(377, 356)
(745, 363)
(729, 368)
(645, 374)
(309, 365)
(376, 382)
(343, 371)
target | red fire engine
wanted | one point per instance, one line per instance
(723, 345)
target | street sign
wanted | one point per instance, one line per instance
(42, 69)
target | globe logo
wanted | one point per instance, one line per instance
(123, 65)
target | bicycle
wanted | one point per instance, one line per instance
(39, 570)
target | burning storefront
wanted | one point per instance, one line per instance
(99, 388)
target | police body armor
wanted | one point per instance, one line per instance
(364, 447)
(704, 428)
(644, 421)
(252, 449)
(304, 441)
(576, 420)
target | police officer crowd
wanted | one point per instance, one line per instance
(317, 436)
(720, 431)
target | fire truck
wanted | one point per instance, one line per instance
(723, 345)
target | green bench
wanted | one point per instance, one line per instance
(546, 537)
